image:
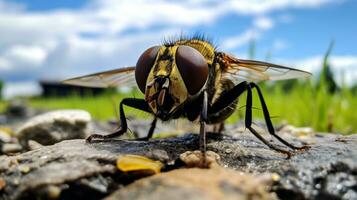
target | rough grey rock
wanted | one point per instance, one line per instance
(55, 126)
(74, 169)
(18, 109)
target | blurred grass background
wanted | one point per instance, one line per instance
(318, 102)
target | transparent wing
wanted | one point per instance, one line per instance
(240, 70)
(113, 78)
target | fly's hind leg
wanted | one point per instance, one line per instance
(132, 102)
(248, 124)
(230, 96)
(269, 122)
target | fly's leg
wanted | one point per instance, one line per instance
(151, 131)
(269, 122)
(230, 96)
(203, 119)
(132, 102)
(227, 98)
(203, 136)
(248, 123)
(152, 128)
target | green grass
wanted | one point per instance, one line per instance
(102, 107)
(3, 105)
(303, 105)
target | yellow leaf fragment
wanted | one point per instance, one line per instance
(2, 183)
(128, 163)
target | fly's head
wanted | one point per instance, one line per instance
(169, 75)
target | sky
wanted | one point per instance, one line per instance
(54, 40)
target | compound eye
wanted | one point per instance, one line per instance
(193, 68)
(144, 65)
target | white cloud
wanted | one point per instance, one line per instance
(22, 58)
(263, 23)
(4, 64)
(32, 55)
(120, 15)
(260, 25)
(111, 33)
(241, 39)
(343, 66)
(262, 7)
(346, 68)
(26, 88)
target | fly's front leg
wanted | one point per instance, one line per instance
(203, 119)
(151, 131)
(227, 98)
(140, 104)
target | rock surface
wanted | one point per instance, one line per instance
(74, 169)
(196, 184)
(55, 126)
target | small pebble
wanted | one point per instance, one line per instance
(228, 151)
(198, 159)
(50, 192)
(11, 148)
(24, 169)
(55, 126)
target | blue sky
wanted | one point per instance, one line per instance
(59, 39)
